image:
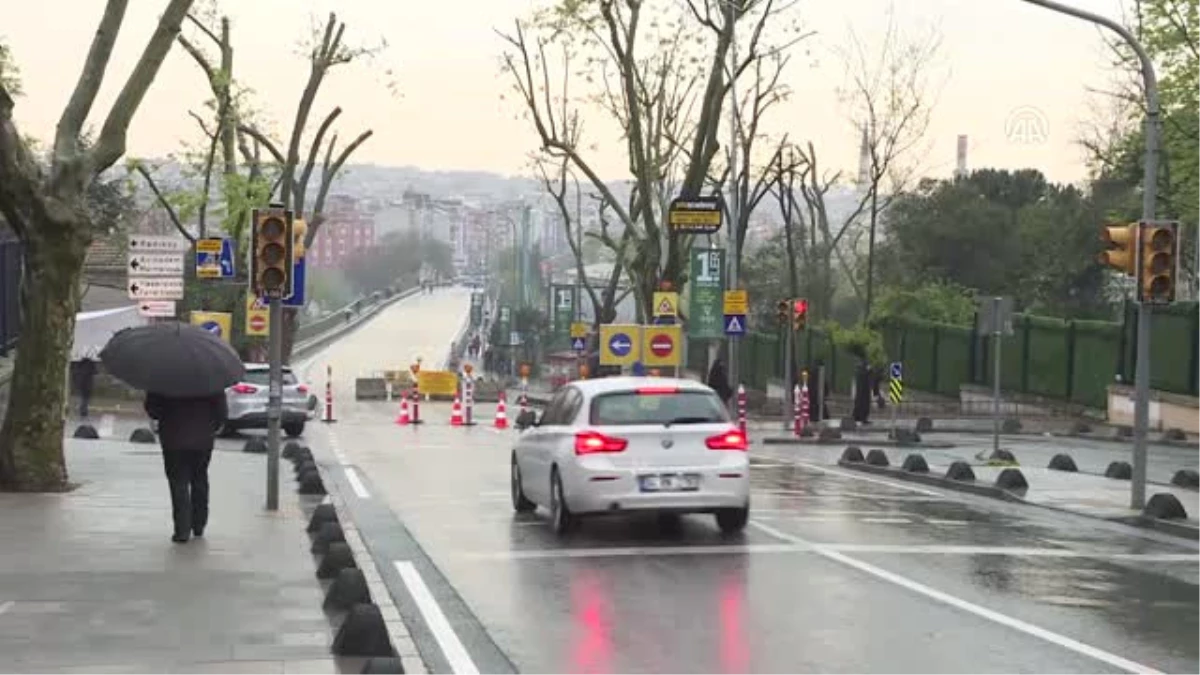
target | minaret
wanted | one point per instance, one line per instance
(864, 160)
(960, 170)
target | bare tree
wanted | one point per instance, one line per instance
(891, 100)
(47, 209)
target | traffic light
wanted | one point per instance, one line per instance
(271, 263)
(1159, 243)
(782, 312)
(800, 313)
(1121, 242)
(299, 230)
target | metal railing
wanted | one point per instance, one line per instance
(312, 328)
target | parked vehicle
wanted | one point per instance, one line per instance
(247, 401)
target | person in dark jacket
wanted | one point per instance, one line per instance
(862, 390)
(85, 377)
(187, 428)
(718, 380)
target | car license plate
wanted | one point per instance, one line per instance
(670, 482)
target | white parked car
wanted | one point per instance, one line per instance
(622, 444)
(247, 402)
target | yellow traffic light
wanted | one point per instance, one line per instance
(272, 261)
(1120, 242)
(783, 310)
(1160, 253)
(299, 231)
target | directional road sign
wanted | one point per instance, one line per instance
(155, 288)
(155, 265)
(662, 346)
(701, 215)
(735, 324)
(156, 243)
(896, 383)
(158, 308)
(619, 344)
(897, 370)
(214, 258)
(217, 323)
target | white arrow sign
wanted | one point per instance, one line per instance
(156, 264)
(157, 308)
(155, 288)
(157, 243)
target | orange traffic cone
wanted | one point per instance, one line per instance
(403, 419)
(501, 414)
(456, 413)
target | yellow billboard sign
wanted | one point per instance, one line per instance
(217, 323)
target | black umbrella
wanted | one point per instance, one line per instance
(173, 359)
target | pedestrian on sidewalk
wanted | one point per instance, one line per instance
(85, 377)
(187, 428)
(718, 381)
(862, 387)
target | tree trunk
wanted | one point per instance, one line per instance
(291, 322)
(31, 439)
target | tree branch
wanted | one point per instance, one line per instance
(318, 141)
(263, 141)
(328, 173)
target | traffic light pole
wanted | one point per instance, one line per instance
(734, 212)
(1141, 383)
(274, 401)
(788, 336)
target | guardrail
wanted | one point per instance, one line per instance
(342, 315)
(345, 320)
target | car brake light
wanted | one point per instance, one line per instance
(303, 389)
(729, 440)
(652, 391)
(590, 442)
(245, 389)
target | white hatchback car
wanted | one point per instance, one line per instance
(620, 444)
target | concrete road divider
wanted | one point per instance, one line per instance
(847, 424)
(1012, 479)
(310, 483)
(905, 437)
(924, 424)
(370, 389)
(87, 432)
(383, 664)
(1186, 478)
(348, 589)
(915, 463)
(852, 454)
(324, 513)
(1062, 462)
(142, 435)
(330, 533)
(877, 457)
(363, 633)
(338, 558)
(1164, 506)
(960, 471)
(1119, 471)
(257, 446)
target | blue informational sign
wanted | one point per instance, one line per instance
(735, 324)
(212, 327)
(620, 344)
(226, 258)
(578, 344)
(897, 371)
(213, 259)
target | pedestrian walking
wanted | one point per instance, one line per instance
(718, 380)
(187, 428)
(85, 376)
(862, 388)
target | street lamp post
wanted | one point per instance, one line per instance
(1141, 403)
(732, 370)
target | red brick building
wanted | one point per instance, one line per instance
(347, 230)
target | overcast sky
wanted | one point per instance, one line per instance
(1003, 60)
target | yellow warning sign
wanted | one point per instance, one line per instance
(258, 317)
(666, 303)
(437, 382)
(217, 323)
(736, 303)
(579, 329)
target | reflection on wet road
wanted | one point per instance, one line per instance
(839, 572)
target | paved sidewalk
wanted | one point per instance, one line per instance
(90, 581)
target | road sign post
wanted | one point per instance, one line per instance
(895, 390)
(995, 318)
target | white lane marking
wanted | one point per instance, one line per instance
(885, 520)
(452, 648)
(869, 479)
(356, 483)
(941, 521)
(5, 606)
(966, 606)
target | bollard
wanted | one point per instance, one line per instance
(804, 415)
(797, 425)
(741, 408)
(468, 400)
(329, 395)
(415, 393)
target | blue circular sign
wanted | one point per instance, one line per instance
(897, 370)
(212, 327)
(620, 344)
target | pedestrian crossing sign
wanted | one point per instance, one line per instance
(735, 324)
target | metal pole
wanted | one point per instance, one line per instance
(733, 370)
(1141, 402)
(787, 373)
(274, 401)
(995, 375)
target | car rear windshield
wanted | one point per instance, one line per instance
(678, 407)
(263, 377)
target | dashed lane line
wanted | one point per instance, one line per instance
(452, 648)
(964, 605)
(356, 483)
(7, 605)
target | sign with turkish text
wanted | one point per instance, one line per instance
(707, 277)
(698, 215)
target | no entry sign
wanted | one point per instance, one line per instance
(661, 346)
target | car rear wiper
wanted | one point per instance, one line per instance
(688, 420)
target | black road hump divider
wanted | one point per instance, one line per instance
(337, 558)
(1002, 457)
(348, 589)
(87, 432)
(1010, 425)
(955, 478)
(960, 471)
(363, 633)
(1062, 462)
(256, 445)
(1012, 479)
(1164, 506)
(142, 435)
(324, 513)
(924, 424)
(915, 463)
(304, 466)
(877, 457)
(330, 533)
(1081, 427)
(1186, 478)
(905, 437)
(383, 664)
(1119, 471)
(852, 453)
(290, 449)
(311, 483)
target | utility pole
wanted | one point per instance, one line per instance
(732, 283)
(1141, 402)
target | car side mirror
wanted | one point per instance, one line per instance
(527, 419)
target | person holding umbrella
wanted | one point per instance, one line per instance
(184, 371)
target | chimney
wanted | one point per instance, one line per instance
(960, 170)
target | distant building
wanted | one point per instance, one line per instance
(347, 230)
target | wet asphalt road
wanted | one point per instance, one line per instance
(839, 572)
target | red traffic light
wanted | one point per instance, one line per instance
(800, 307)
